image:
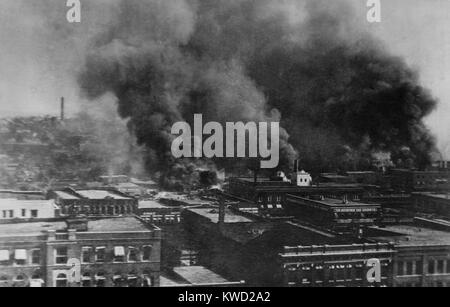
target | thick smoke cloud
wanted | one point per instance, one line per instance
(339, 96)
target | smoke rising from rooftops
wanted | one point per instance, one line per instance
(339, 96)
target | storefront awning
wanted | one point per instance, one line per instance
(20, 254)
(119, 251)
(4, 255)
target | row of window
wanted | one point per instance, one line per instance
(100, 280)
(100, 209)
(20, 257)
(119, 254)
(412, 268)
(306, 274)
(88, 255)
(9, 214)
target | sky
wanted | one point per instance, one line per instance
(40, 53)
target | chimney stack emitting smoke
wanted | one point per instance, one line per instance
(62, 109)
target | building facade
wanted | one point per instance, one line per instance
(95, 202)
(338, 266)
(13, 209)
(116, 252)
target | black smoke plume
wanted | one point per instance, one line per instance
(340, 97)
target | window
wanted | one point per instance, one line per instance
(86, 254)
(431, 269)
(400, 269)
(147, 280)
(61, 255)
(147, 252)
(19, 279)
(119, 254)
(448, 266)
(11, 213)
(118, 280)
(100, 254)
(100, 280)
(132, 280)
(20, 256)
(132, 254)
(409, 269)
(86, 280)
(4, 257)
(34, 214)
(36, 257)
(419, 268)
(5, 214)
(61, 281)
(24, 212)
(440, 267)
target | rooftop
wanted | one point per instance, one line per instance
(213, 215)
(435, 195)
(95, 194)
(405, 235)
(26, 204)
(331, 202)
(101, 194)
(199, 275)
(151, 204)
(125, 224)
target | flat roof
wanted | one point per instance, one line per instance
(409, 235)
(434, 195)
(26, 204)
(123, 224)
(198, 275)
(213, 215)
(151, 204)
(331, 202)
(266, 183)
(101, 194)
(65, 195)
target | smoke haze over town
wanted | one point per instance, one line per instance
(341, 87)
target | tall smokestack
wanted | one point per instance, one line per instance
(221, 210)
(295, 166)
(62, 108)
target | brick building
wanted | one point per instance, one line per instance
(412, 180)
(112, 252)
(94, 202)
(336, 266)
(422, 256)
(336, 214)
(270, 195)
(432, 203)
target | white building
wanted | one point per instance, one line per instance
(11, 209)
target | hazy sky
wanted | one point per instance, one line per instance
(40, 52)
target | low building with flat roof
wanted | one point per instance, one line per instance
(14, 209)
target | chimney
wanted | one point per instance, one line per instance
(221, 211)
(62, 108)
(295, 166)
(77, 224)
